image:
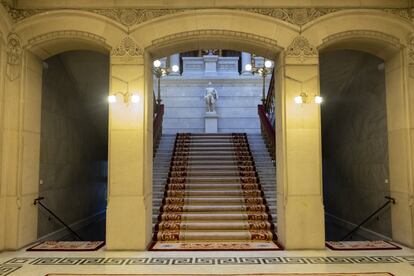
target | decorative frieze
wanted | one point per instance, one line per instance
(301, 48)
(404, 13)
(295, 16)
(127, 47)
(131, 17)
(14, 56)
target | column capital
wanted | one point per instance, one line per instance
(300, 51)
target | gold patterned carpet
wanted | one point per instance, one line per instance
(213, 198)
(361, 245)
(67, 246)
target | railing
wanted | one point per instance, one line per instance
(389, 201)
(39, 201)
(267, 119)
(157, 125)
(268, 132)
(269, 103)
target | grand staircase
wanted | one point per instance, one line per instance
(210, 194)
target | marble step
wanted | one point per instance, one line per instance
(213, 193)
(208, 159)
(216, 225)
(230, 200)
(214, 162)
(209, 186)
(216, 216)
(216, 235)
(216, 208)
(232, 173)
(213, 180)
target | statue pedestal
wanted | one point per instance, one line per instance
(210, 65)
(210, 119)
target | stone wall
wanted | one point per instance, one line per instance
(71, 148)
(355, 145)
(237, 104)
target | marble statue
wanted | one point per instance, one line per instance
(211, 96)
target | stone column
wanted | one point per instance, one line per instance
(20, 139)
(245, 59)
(129, 213)
(300, 211)
(174, 60)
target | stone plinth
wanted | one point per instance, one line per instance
(210, 65)
(210, 119)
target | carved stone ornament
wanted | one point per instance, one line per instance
(131, 17)
(295, 16)
(410, 45)
(14, 56)
(127, 47)
(301, 48)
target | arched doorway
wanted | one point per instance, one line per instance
(387, 47)
(74, 146)
(211, 175)
(355, 145)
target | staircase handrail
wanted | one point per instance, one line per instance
(356, 228)
(157, 126)
(38, 201)
(269, 98)
(268, 131)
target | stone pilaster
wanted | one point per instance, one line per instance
(129, 211)
(21, 143)
(298, 136)
(399, 80)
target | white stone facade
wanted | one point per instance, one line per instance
(236, 107)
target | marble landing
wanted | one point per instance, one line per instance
(398, 262)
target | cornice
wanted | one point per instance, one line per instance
(133, 16)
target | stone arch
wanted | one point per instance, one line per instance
(39, 37)
(215, 28)
(47, 34)
(357, 25)
(193, 40)
(387, 37)
(52, 43)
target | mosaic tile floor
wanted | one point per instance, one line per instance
(398, 262)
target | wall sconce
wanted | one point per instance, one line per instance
(160, 72)
(304, 98)
(126, 96)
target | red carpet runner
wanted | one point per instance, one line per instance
(213, 199)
